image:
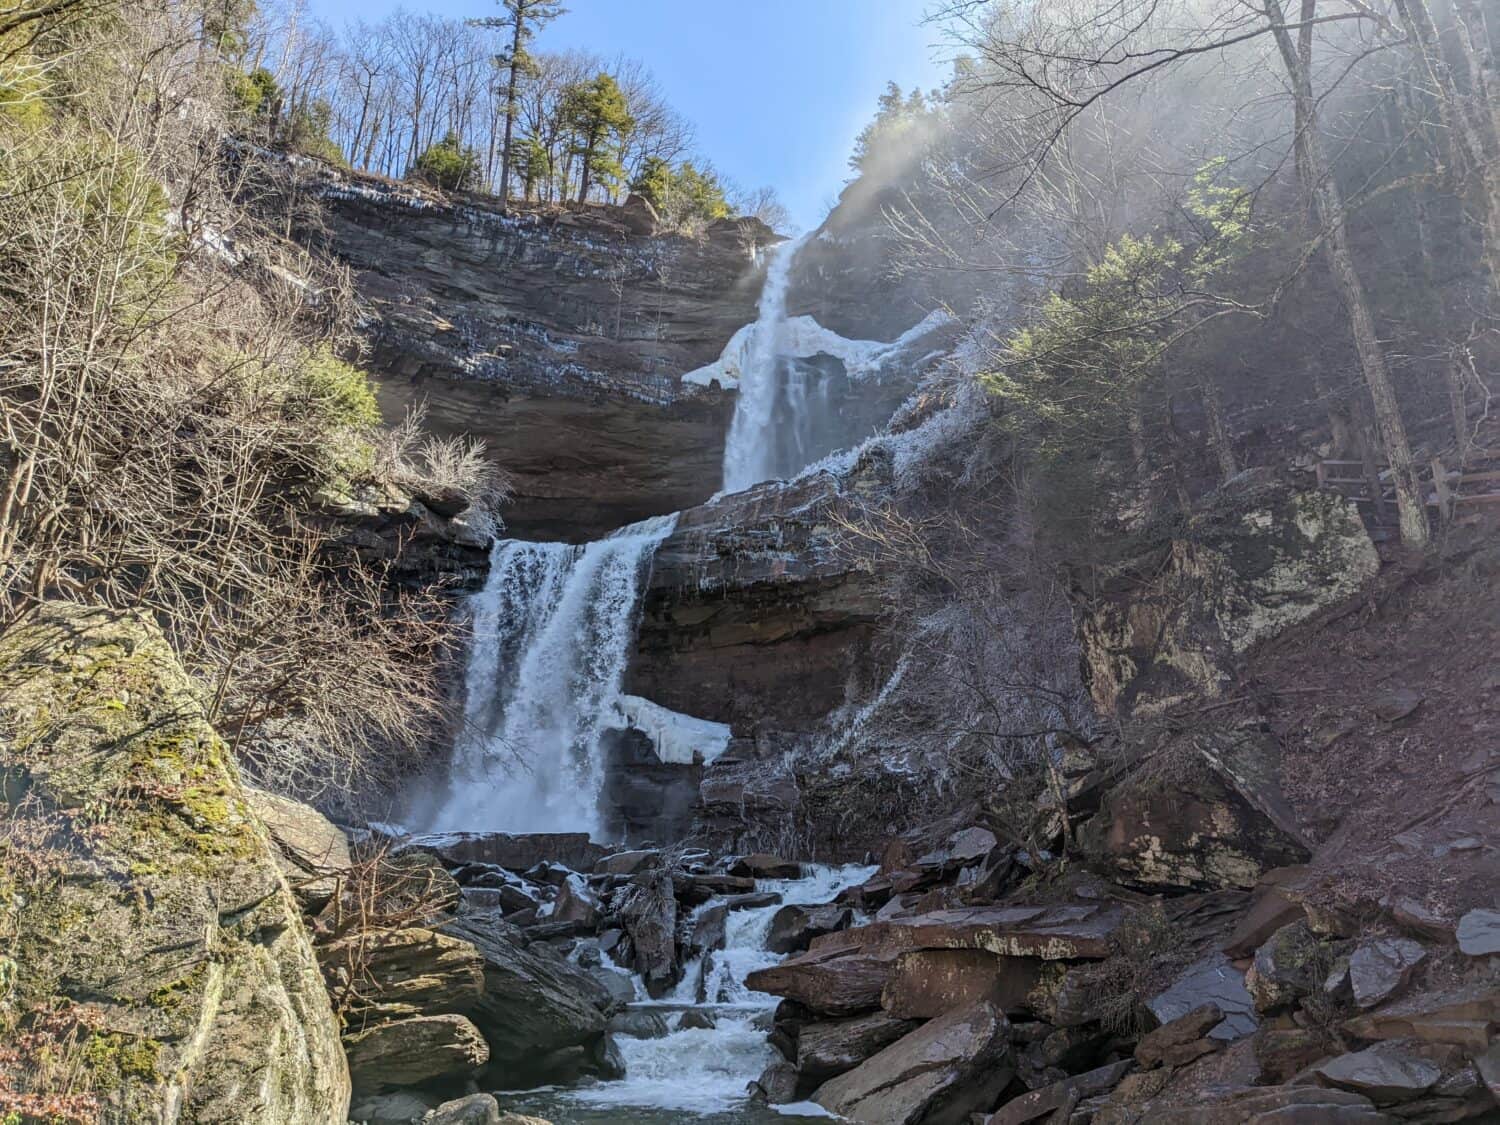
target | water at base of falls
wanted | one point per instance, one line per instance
(700, 1075)
(552, 631)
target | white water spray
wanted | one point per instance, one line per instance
(552, 634)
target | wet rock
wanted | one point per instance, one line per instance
(608, 1059)
(763, 865)
(641, 1023)
(709, 929)
(1286, 968)
(514, 899)
(475, 1109)
(696, 889)
(756, 900)
(619, 987)
(388, 974)
(1210, 980)
(534, 1001)
(573, 850)
(939, 1074)
(1063, 933)
(1186, 1028)
(835, 984)
(648, 913)
(926, 983)
(578, 905)
(794, 927)
(1067, 1093)
(159, 903)
(697, 1019)
(1382, 1073)
(627, 863)
(777, 1084)
(412, 1051)
(828, 1048)
(401, 1107)
(1479, 933)
(312, 852)
(1380, 969)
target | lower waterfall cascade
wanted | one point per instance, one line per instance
(552, 631)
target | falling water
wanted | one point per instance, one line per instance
(552, 633)
(770, 384)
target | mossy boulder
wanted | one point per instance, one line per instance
(144, 922)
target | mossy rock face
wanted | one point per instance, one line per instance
(1171, 625)
(140, 892)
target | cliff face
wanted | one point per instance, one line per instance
(556, 336)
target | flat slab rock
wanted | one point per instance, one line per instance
(1210, 980)
(1052, 933)
(938, 1075)
(1278, 1105)
(1049, 1099)
(514, 852)
(1479, 933)
(833, 983)
(1383, 1074)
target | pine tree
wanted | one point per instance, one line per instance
(523, 18)
(599, 117)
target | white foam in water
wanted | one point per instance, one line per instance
(553, 629)
(706, 1070)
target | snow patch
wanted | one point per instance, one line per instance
(678, 738)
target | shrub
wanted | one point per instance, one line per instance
(447, 164)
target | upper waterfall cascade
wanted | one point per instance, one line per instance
(784, 418)
(552, 634)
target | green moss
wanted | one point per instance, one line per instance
(114, 1059)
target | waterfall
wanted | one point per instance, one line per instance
(769, 385)
(553, 628)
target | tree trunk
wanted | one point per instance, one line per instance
(510, 110)
(1329, 206)
(1218, 432)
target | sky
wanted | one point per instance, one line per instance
(778, 89)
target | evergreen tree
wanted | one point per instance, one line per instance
(448, 164)
(523, 18)
(597, 113)
(895, 115)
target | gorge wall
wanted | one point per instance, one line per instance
(556, 336)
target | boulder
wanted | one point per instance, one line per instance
(388, 974)
(697, 1019)
(763, 865)
(828, 1048)
(573, 850)
(755, 900)
(416, 884)
(1384, 1074)
(1222, 822)
(1380, 969)
(412, 1051)
(1067, 1093)
(965, 847)
(1464, 1018)
(534, 1001)
(777, 1084)
(1479, 933)
(1186, 1028)
(577, 904)
(1285, 1052)
(400, 1107)
(312, 852)
(647, 911)
(926, 983)
(937, 1075)
(1286, 968)
(794, 927)
(834, 984)
(152, 893)
(627, 863)
(641, 1023)
(1052, 933)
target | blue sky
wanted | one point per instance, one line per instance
(777, 88)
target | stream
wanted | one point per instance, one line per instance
(700, 1075)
